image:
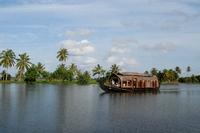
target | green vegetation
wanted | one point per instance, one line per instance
(22, 64)
(31, 73)
(7, 60)
(115, 69)
(98, 70)
(172, 76)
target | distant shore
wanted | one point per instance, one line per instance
(45, 82)
(75, 82)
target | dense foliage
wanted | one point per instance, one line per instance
(173, 75)
(61, 73)
(192, 79)
(71, 73)
(31, 74)
(83, 78)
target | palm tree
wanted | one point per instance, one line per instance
(87, 74)
(73, 68)
(23, 63)
(3, 75)
(146, 72)
(188, 69)
(62, 55)
(165, 74)
(40, 68)
(78, 73)
(98, 70)
(171, 75)
(178, 70)
(7, 59)
(115, 69)
(154, 71)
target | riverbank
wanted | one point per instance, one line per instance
(45, 82)
(75, 82)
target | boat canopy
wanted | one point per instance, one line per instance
(131, 75)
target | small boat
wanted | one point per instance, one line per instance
(129, 82)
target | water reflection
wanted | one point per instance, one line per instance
(127, 94)
(76, 108)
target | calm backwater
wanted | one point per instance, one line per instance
(87, 109)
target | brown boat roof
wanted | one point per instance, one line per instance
(129, 75)
(133, 74)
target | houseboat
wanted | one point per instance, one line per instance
(130, 81)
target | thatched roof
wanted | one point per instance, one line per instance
(130, 75)
(133, 74)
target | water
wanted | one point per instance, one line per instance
(87, 109)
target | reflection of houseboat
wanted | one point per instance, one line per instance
(130, 81)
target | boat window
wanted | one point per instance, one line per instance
(141, 84)
(127, 83)
(135, 82)
(145, 84)
(153, 85)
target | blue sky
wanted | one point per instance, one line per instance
(136, 35)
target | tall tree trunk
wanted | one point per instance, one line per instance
(6, 74)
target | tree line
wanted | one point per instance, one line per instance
(30, 72)
(173, 75)
(164, 76)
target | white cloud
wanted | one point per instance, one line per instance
(128, 63)
(122, 41)
(90, 60)
(77, 58)
(124, 63)
(121, 46)
(112, 60)
(164, 47)
(87, 63)
(77, 48)
(79, 33)
(119, 50)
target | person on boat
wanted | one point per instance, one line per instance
(113, 82)
(117, 85)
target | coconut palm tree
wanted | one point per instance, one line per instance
(3, 75)
(98, 70)
(87, 74)
(23, 63)
(62, 55)
(178, 70)
(188, 69)
(165, 74)
(146, 72)
(115, 69)
(78, 73)
(171, 75)
(7, 59)
(154, 71)
(73, 68)
(40, 68)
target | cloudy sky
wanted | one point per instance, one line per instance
(137, 35)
